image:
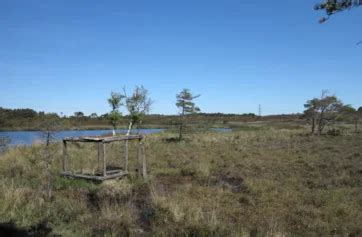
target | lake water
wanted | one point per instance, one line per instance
(30, 137)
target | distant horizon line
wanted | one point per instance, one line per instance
(60, 114)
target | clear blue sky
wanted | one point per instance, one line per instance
(66, 56)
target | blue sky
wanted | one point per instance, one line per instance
(66, 56)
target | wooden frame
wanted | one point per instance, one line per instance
(102, 158)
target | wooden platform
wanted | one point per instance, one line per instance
(105, 171)
(104, 139)
(111, 174)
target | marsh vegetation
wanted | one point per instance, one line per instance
(278, 175)
(260, 180)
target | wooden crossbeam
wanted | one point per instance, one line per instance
(94, 177)
(103, 139)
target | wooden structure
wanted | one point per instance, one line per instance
(106, 172)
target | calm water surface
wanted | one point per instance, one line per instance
(30, 137)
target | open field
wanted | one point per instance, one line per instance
(252, 182)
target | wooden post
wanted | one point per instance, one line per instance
(126, 156)
(104, 159)
(65, 156)
(99, 148)
(144, 167)
(139, 158)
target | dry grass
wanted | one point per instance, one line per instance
(266, 182)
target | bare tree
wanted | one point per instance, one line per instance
(184, 101)
(115, 101)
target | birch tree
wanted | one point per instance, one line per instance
(138, 105)
(185, 103)
(115, 101)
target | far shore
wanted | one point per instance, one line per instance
(81, 128)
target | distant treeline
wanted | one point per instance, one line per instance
(29, 119)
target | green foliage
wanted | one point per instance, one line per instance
(185, 102)
(333, 6)
(93, 115)
(138, 105)
(14, 118)
(323, 111)
(115, 101)
(16, 113)
(114, 117)
(352, 115)
(79, 114)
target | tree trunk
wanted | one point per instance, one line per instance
(182, 123)
(313, 125)
(114, 129)
(126, 145)
(321, 123)
(180, 131)
(129, 128)
(356, 125)
(320, 130)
